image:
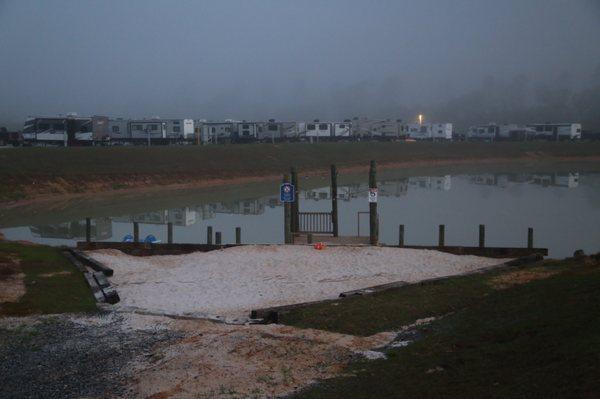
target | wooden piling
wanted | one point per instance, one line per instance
(287, 217)
(309, 238)
(295, 223)
(401, 235)
(373, 220)
(217, 238)
(209, 235)
(238, 235)
(334, 197)
(530, 237)
(136, 232)
(170, 233)
(481, 236)
(88, 230)
(441, 235)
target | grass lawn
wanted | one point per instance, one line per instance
(528, 333)
(52, 284)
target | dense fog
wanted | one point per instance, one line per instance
(464, 61)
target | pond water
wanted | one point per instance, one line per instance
(562, 208)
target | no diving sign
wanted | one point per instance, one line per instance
(373, 195)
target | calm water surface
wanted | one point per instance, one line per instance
(563, 209)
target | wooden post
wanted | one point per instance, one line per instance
(309, 238)
(218, 238)
(441, 237)
(530, 237)
(136, 232)
(373, 220)
(209, 235)
(287, 217)
(170, 233)
(334, 204)
(88, 230)
(401, 235)
(481, 236)
(295, 205)
(238, 235)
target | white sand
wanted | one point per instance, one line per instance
(233, 281)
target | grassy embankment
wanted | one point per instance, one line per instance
(47, 282)
(30, 172)
(533, 332)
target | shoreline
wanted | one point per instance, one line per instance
(98, 186)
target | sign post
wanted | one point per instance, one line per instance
(287, 193)
(373, 220)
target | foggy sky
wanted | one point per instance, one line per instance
(462, 61)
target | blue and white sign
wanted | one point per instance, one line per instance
(287, 192)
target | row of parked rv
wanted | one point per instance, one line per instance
(101, 129)
(557, 131)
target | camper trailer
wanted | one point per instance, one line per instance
(57, 130)
(246, 131)
(215, 132)
(118, 129)
(428, 131)
(273, 131)
(319, 129)
(384, 129)
(493, 131)
(342, 129)
(557, 131)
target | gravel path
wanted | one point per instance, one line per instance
(61, 357)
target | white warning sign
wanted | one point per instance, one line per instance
(372, 195)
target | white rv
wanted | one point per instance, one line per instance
(215, 132)
(53, 130)
(247, 130)
(428, 131)
(493, 131)
(570, 131)
(342, 129)
(319, 129)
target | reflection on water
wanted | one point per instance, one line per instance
(560, 207)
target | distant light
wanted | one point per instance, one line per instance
(420, 119)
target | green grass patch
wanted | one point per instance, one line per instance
(539, 338)
(52, 283)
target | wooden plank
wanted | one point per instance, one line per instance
(93, 263)
(89, 279)
(489, 252)
(373, 289)
(273, 314)
(146, 249)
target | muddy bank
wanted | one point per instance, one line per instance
(32, 173)
(21, 192)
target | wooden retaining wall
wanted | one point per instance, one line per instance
(272, 314)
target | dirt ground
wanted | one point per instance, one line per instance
(12, 280)
(127, 355)
(232, 361)
(518, 277)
